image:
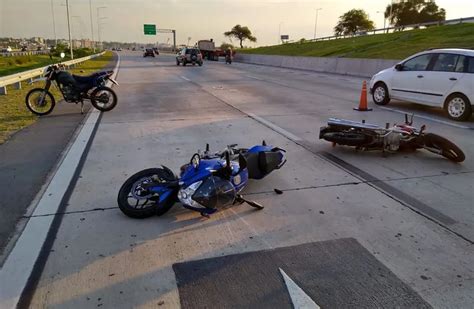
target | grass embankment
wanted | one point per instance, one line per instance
(16, 64)
(15, 116)
(397, 45)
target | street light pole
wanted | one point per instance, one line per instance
(279, 32)
(98, 24)
(69, 29)
(316, 21)
(384, 19)
(92, 25)
(54, 24)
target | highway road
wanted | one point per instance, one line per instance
(352, 229)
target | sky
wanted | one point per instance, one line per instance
(122, 20)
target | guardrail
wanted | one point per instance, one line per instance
(16, 79)
(401, 28)
(24, 53)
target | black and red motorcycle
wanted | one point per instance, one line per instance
(365, 136)
(74, 88)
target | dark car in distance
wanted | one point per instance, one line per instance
(149, 53)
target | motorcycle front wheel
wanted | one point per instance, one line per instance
(136, 202)
(40, 101)
(104, 99)
(446, 148)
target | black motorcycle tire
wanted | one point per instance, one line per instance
(346, 138)
(47, 93)
(448, 149)
(156, 209)
(110, 106)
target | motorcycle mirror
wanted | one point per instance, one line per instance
(62, 55)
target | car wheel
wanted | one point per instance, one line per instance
(380, 94)
(458, 107)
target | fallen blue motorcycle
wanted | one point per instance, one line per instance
(208, 182)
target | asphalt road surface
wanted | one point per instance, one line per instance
(347, 224)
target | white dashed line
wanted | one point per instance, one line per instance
(253, 77)
(274, 127)
(185, 78)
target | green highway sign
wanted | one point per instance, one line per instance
(149, 29)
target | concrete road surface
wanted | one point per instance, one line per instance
(347, 224)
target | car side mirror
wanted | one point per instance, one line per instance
(399, 67)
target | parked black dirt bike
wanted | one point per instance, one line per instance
(366, 136)
(74, 88)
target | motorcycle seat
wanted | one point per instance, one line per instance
(85, 80)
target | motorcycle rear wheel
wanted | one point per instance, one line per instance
(104, 99)
(40, 101)
(132, 207)
(447, 148)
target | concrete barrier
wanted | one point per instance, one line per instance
(345, 66)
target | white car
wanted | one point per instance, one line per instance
(439, 77)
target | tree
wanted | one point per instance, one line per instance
(224, 46)
(352, 22)
(411, 12)
(241, 33)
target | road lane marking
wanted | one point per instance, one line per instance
(185, 78)
(274, 127)
(298, 297)
(253, 77)
(20, 263)
(428, 118)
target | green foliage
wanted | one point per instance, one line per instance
(396, 45)
(241, 33)
(225, 46)
(352, 22)
(414, 12)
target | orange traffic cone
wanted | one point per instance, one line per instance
(363, 99)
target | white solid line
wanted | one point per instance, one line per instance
(185, 78)
(298, 297)
(427, 118)
(274, 127)
(21, 260)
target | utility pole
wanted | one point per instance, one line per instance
(92, 25)
(316, 21)
(279, 32)
(69, 29)
(98, 23)
(54, 24)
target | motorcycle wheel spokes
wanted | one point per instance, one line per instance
(103, 99)
(140, 198)
(39, 101)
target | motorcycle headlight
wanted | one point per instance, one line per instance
(195, 160)
(185, 195)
